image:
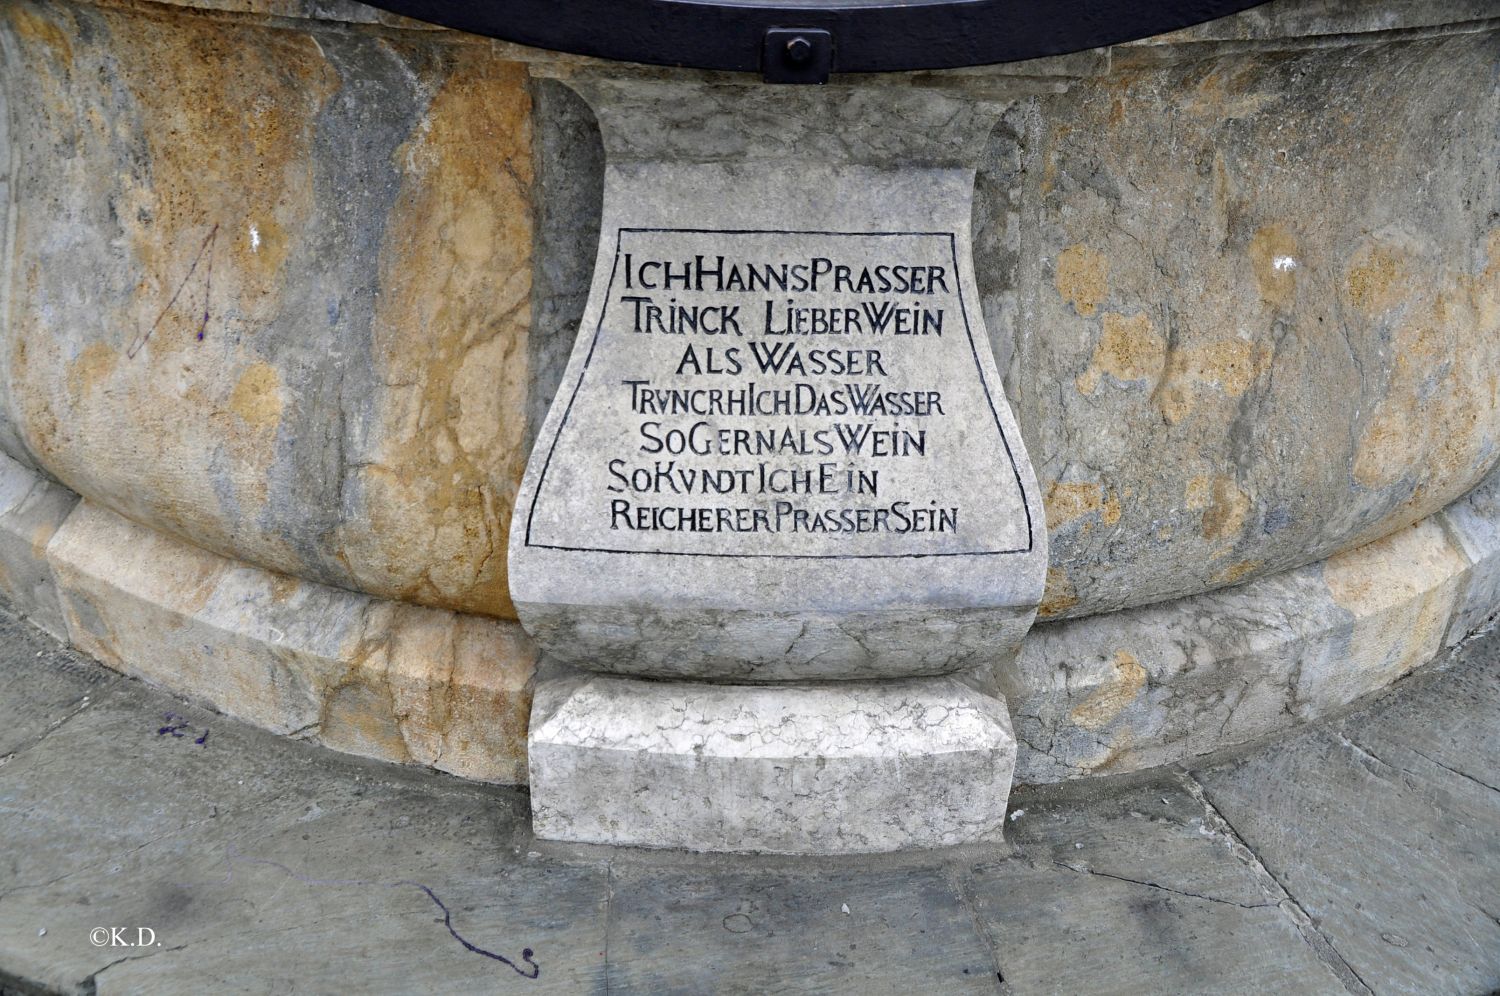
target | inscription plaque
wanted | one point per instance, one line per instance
(781, 449)
(742, 400)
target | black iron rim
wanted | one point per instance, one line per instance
(865, 36)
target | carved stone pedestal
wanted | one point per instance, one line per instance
(781, 474)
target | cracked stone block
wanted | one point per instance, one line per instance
(846, 767)
(355, 673)
(1150, 686)
(31, 509)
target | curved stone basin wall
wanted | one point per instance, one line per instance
(292, 284)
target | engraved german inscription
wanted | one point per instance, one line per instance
(782, 394)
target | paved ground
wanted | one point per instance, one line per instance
(1363, 856)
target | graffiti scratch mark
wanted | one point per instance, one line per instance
(206, 249)
(534, 971)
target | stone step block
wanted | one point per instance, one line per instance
(1159, 684)
(845, 767)
(352, 672)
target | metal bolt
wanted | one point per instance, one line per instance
(799, 51)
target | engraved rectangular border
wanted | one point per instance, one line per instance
(973, 349)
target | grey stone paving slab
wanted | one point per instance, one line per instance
(1451, 724)
(1137, 891)
(1078, 933)
(265, 865)
(787, 930)
(43, 683)
(1155, 832)
(1380, 830)
(378, 926)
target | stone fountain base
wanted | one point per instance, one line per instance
(453, 691)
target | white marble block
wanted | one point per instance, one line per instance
(844, 767)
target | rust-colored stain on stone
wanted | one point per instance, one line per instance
(1129, 349)
(1402, 590)
(1068, 502)
(450, 338)
(283, 587)
(1059, 595)
(1082, 278)
(257, 396)
(1237, 571)
(435, 688)
(1113, 696)
(92, 367)
(1377, 278)
(39, 28)
(1195, 374)
(1223, 503)
(1120, 754)
(1435, 418)
(1393, 569)
(1226, 93)
(360, 718)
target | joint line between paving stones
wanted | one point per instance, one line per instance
(1153, 885)
(91, 983)
(609, 905)
(1287, 903)
(83, 702)
(1364, 750)
(991, 942)
(1462, 774)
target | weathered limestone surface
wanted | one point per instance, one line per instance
(269, 288)
(1103, 695)
(395, 682)
(1115, 693)
(1165, 682)
(1241, 282)
(1232, 347)
(842, 767)
(1250, 303)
